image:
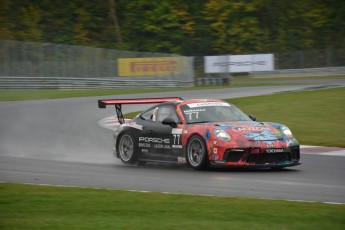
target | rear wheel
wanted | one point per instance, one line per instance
(127, 149)
(196, 153)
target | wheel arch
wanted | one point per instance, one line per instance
(205, 163)
(190, 137)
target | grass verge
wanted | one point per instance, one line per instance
(46, 207)
(277, 79)
(20, 95)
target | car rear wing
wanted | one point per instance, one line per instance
(119, 102)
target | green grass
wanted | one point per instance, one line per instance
(20, 95)
(277, 79)
(45, 207)
(315, 117)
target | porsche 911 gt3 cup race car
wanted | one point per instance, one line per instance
(201, 133)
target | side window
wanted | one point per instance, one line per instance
(165, 112)
(149, 115)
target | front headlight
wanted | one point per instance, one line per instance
(221, 134)
(287, 132)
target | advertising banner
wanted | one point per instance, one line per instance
(239, 63)
(147, 66)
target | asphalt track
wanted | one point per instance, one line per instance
(60, 142)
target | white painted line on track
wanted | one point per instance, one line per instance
(321, 150)
(334, 153)
(174, 193)
(308, 146)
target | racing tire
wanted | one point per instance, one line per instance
(196, 152)
(126, 149)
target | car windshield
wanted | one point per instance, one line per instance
(212, 112)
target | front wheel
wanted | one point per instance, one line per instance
(126, 149)
(196, 153)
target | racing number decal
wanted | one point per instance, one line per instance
(193, 113)
(177, 138)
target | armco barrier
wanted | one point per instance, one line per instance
(87, 83)
(127, 83)
(329, 71)
(209, 81)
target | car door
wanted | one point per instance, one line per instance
(145, 141)
(156, 138)
(166, 137)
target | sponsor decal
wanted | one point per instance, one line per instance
(220, 162)
(181, 159)
(185, 131)
(153, 66)
(176, 131)
(215, 156)
(239, 63)
(177, 146)
(275, 150)
(154, 140)
(205, 104)
(144, 145)
(215, 150)
(144, 150)
(160, 146)
(149, 66)
(193, 111)
(250, 129)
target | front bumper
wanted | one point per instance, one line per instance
(254, 157)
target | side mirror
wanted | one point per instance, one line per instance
(169, 121)
(252, 117)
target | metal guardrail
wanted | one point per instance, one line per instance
(132, 83)
(86, 83)
(329, 71)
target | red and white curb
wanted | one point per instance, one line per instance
(321, 150)
(112, 124)
(174, 193)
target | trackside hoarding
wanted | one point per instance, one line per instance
(150, 66)
(239, 63)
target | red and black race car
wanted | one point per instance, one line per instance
(201, 133)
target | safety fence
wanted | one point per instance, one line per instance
(29, 65)
(87, 83)
(53, 61)
(304, 63)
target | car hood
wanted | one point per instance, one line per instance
(251, 130)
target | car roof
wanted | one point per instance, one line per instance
(199, 101)
(184, 102)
